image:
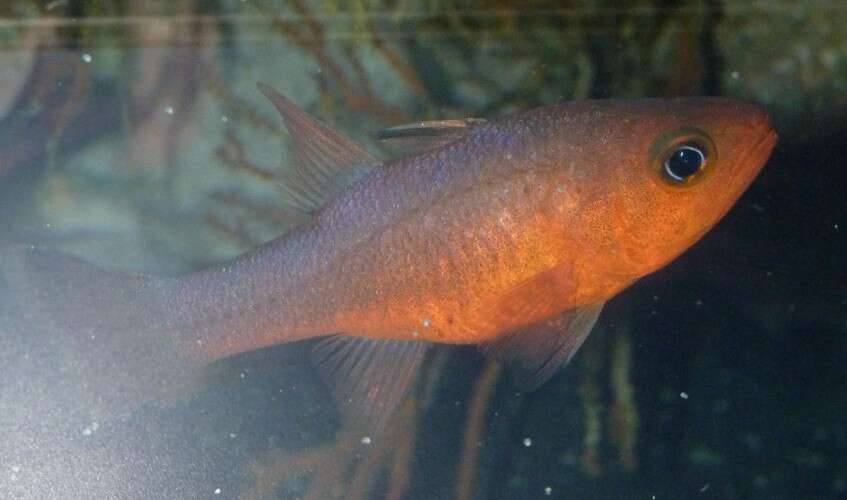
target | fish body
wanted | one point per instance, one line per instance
(523, 218)
(512, 234)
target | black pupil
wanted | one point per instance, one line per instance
(684, 162)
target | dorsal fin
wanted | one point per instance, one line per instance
(421, 136)
(537, 351)
(325, 160)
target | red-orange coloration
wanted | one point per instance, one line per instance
(523, 218)
(512, 234)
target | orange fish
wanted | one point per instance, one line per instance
(510, 234)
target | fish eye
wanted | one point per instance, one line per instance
(684, 161)
(682, 157)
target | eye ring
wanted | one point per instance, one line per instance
(697, 149)
(684, 161)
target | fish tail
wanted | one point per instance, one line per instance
(77, 332)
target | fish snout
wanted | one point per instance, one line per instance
(759, 123)
(764, 138)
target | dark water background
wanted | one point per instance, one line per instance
(123, 139)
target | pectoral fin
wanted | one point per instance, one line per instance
(536, 352)
(368, 378)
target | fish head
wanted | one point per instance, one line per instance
(659, 173)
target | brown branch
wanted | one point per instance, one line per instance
(365, 90)
(234, 231)
(328, 465)
(238, 107)
(233, 155)
(623, 420)
(475, 425)
(592, 409)
(357, 98)
(397, 62)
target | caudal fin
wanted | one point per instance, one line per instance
(80, 340)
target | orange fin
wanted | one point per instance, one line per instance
(422, 136)
(537, 351)
(325, 160)
(368, 378)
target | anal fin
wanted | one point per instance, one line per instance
(368, 378)
(537, 351)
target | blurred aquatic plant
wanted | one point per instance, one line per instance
(91, 78)
(474, 429)
(352, 462)
(623, 418)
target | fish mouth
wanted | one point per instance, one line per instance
(749, 165)
(761, 150)
(756, 155)
(766, 139)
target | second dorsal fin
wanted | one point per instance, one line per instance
(421, 136)
(325, 160)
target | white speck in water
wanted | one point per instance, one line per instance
(683, 395)
(425, 322)
(366, 440)
(91, 429)
(86, 58)
(735, 75)
(835, 226)
(224, 118)
(232, 435)
(169, 110)
(527, 442)
(242, 375)
(548, 491)
(217, 491)
(698, 302)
